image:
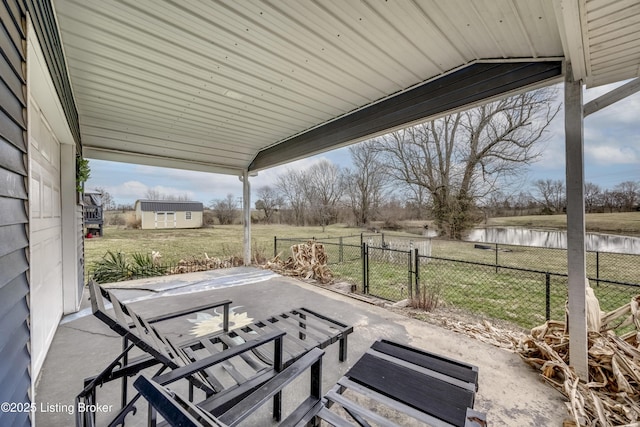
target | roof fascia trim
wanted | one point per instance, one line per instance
(463, 88)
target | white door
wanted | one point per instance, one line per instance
(45, 235)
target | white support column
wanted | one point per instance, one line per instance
(246, 213)
(576, 261)
(72, 295)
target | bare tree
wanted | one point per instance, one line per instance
(292, 188)
(152, 194)
(592, 197)
(108, 203)
(628, 194)
(462, 157)
(551, 195)
(365, 182)
(323, 188)
(225, 210)
(269, 202)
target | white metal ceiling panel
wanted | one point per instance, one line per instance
(213, 83)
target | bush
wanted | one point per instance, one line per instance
(117, 219)
(114, 267)
(428, 299)
(135, 223)
(208, 218)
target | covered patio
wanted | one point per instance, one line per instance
(510, 392)
(239, 87)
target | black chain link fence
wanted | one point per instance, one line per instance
(521, 284)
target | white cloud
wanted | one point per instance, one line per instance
(609, 154)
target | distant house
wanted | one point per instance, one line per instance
(168, 214)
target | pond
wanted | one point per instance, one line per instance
(554, 239)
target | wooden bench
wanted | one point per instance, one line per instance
(301, 330)
(395, 379)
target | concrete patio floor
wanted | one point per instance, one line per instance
(510, 392)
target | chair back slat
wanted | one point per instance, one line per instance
(137, 333)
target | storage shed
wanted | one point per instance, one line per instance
(168, 214)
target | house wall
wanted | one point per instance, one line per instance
(14, 214)
(32, 187)
(55, 287)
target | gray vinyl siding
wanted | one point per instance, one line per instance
(44, 24)
(14, 217)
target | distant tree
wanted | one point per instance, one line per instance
(628, 193)
(592, 197)
(108, 203)
(291, 187)
(323, 188)
(609, 200)
(124, 207)
(551, 195)
(152, 194)
(524, 202)
(269, 201)
(225, 209)
(461, 158)
(365, 182)
(418, 200)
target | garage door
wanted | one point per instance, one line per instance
(45, 235)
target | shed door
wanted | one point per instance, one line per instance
(45, 235)
(165, 219)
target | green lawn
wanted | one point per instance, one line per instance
(515, 296)
(218, 241)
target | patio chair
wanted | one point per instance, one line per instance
(392, 380)
(305, 330)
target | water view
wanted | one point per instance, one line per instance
(554, 239)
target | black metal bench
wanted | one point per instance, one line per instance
(430, 388)
(408, 382)
(301, 329)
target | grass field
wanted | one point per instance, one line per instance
(515, 296)
(218, 241)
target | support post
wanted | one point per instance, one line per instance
(246, 214)
(576, 256)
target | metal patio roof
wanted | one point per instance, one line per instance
(225, 86)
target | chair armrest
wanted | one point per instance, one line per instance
(275, 385)
(199, 365)
(172, 407)
(167, 316)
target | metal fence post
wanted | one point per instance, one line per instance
(410, 272)
(365, 268)
(548, 295)
(496, 258)
(275, 246)
(597, 268)
(416, 271)
(341, 251)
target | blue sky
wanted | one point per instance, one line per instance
(612, 155)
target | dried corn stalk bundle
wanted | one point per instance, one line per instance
(307, 260)
(485, 332)
(202, 264)
(612, 395)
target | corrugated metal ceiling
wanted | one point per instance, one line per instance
(207, 85)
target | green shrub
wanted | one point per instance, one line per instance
(114, 267)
